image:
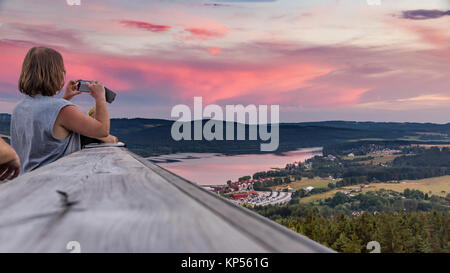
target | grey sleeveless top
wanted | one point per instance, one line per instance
(32, 137)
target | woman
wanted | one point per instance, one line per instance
(45, 128)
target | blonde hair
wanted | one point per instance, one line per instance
(91, 112)
(42, 73)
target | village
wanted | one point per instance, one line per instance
(242, 192)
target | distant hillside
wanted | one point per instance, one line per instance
(405, 126)
(5, 119)
(148, 137)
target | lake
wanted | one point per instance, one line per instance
(216, 169)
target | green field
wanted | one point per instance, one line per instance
(380, 159)
(435, 185)
(316, 182)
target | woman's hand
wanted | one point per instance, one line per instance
(10, 169)
(109, 139)
(71, 90)
(97, 90)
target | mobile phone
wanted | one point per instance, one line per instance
(82, 87)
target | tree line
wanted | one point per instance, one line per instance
(414, 232)
(410, 221)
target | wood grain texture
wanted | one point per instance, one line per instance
(111, 200)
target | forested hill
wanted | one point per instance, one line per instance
(153, 136)
(368, 125)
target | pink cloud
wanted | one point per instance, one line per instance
(214, 51)
(435, 36)
(319, 96)
(204, 34)
(329, 77)
(145, 26)
(183, 80)
(11, 64)
(431, 35)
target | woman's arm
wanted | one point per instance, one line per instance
(101, 110)
(72, 119)
(9, 161)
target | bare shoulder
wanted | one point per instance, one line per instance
(66, 114)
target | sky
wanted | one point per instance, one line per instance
(318, 59)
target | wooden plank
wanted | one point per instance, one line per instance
(119, 202)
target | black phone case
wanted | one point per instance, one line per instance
(110, 95)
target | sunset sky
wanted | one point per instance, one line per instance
(318, 59)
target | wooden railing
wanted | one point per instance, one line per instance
(111, 200)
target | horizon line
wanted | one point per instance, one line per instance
(290, 122)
